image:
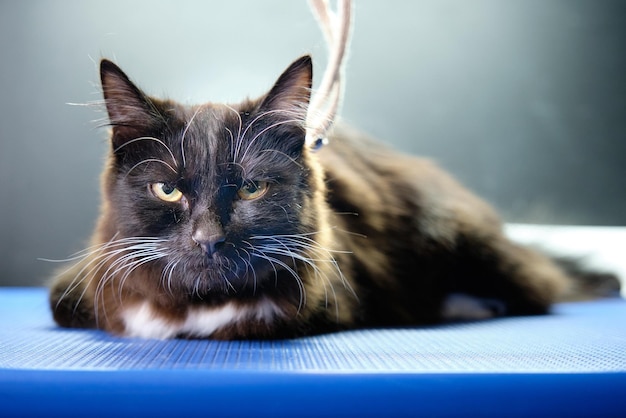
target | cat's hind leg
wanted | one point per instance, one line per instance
(496, 277)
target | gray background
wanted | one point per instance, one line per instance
(523, 100)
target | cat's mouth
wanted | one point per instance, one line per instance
(226, 273)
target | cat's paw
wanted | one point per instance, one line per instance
(464, 307)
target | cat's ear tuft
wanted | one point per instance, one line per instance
(292, 91)
(130, 111)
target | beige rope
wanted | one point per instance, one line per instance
(325, 103)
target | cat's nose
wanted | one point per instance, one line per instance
(210, 244)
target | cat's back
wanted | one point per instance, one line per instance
(363, 169)
(376, 168)
(385, 187)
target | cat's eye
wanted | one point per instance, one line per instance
(251, 190)
(166, 192)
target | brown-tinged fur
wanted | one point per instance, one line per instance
(387, 236)
(421, 236)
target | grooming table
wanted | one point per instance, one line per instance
(570, 363)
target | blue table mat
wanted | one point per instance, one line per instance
(571, 362)
(577, 337)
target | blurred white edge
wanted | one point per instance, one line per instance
(600, 247)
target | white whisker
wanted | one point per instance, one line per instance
(238, 116)
(182, 140)
(148, 138)
(148, 160)
(241, 137)
(112, 260)
(303, 249)
(274, 260)
(166, 275)
(264, 130)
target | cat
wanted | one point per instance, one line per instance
(218, 221)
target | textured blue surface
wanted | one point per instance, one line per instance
(572, 362)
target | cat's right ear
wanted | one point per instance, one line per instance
(292, 90)
(131, 112)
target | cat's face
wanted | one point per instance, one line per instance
(211, 199)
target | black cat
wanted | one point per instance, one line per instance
(217, 221)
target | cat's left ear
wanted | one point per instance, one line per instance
(292, 91)
(131, 112)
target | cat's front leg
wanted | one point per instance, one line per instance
(71, 300)
(465, 307)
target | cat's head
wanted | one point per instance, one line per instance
(212, 200)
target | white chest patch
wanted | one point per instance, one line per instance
(144, 321)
